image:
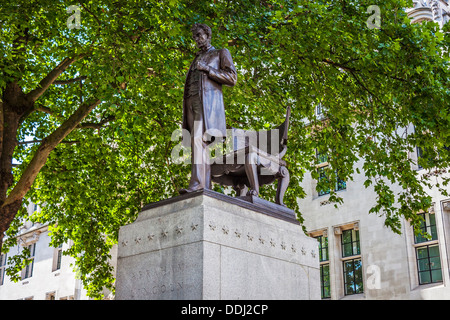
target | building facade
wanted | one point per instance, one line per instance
(361, 258)
(50, 275)
(429, 10)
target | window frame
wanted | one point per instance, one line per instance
(57, 258)
(323, 163)
(3, 259)
(427, 228)
(428, 225)
(429, 270)
(325, 290)
(352, 242)
(27, 272)
(355, 241)
(355, 273)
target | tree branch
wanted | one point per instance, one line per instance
(43, 151)
(45, 83)
(69, 81)
(47, 110)
(96, 125)
(95, 17)
(44, 109)
(339, 65)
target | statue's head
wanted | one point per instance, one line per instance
(201, 34)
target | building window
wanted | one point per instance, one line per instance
(350, 243)
(353, 276)
(429, 264)
(322, 158)
(27, 272)
(428, 226)
(325, 291)
(324, 267)
(426, 157)
(427, 251)
(323, 177)
(322, 167)
(351, 259)
(419, 156)
(323, 248)
(319, 109)
(3, 258)
(50, 296)
(340, 184)
(57, 255)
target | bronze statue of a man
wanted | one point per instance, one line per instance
(203, 108)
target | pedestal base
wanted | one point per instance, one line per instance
(206, 245)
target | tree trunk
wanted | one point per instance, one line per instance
(7, 214)
(13, 106)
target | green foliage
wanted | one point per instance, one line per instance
(385, 92)
(17, 263)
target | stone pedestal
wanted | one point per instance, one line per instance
(206, 245)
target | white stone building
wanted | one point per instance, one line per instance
(50, 276)
(429, 10)
(360, 257)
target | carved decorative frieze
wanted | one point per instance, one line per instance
(29, 238)
(446, 206)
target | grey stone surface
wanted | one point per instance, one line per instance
(205, 248)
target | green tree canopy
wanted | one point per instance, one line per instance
(87, 114)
